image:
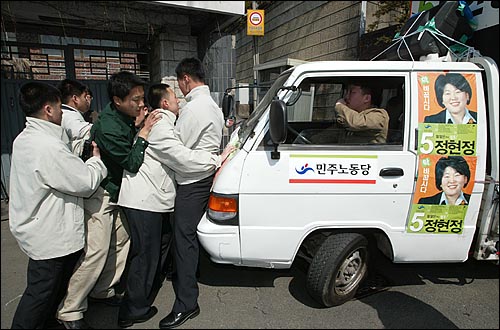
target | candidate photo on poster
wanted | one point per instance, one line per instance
(453, 94)
(452, 175)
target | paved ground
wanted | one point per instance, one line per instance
(421, 296)
(5, 210)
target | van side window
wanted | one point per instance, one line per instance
(346, 111)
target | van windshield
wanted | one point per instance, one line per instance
(248, 125)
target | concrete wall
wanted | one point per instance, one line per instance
(173, 46)
(169, 48)
(220, 61)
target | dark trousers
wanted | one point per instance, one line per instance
(148, 249)
(47, 283)
(190, 204)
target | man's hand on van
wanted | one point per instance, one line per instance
(228, 150)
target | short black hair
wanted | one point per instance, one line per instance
(156, 93)
(70, 87)
(455, 79)
(191, 67)
(458, 163)
(369, 86)
(35, 95)
(121, 83)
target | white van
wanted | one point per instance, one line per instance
(296, 186)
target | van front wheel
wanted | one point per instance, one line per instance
(338, 268)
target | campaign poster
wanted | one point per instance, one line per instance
(447, 104)
(447, 137)
(447, 98)
(442, 194)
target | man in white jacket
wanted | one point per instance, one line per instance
(76, 102)
(147, 198)
(47, 187)
(199, 127)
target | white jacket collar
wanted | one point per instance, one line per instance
(45, 125)
(199, 90)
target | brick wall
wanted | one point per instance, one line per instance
(53, 67)
(303, 30)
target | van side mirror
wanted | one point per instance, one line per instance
(277, 125)
(227, 105)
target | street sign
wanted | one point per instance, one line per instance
(255, 22)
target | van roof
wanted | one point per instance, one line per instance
(389, 66)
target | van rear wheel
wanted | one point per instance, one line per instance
(338, 268)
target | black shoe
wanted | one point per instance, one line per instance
(125, 323)
(115, 300)
(53, 323)
(169, 275)
(173, 320)
(78, 324)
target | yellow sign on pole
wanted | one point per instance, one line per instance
(255, 22)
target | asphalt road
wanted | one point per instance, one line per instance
(411, 296)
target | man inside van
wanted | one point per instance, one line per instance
(357, 112)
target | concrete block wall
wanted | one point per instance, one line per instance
(220, 63)
(303, 30)
(173, 46)
(169, 49)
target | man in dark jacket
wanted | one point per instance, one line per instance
(107, 242)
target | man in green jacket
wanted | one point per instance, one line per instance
(107, 240)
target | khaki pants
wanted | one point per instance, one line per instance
(104, 258)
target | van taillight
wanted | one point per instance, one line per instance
(223, 209)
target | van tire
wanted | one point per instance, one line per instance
(341, 256)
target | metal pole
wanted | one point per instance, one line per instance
(255, 63)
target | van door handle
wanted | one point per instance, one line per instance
(391, 171)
